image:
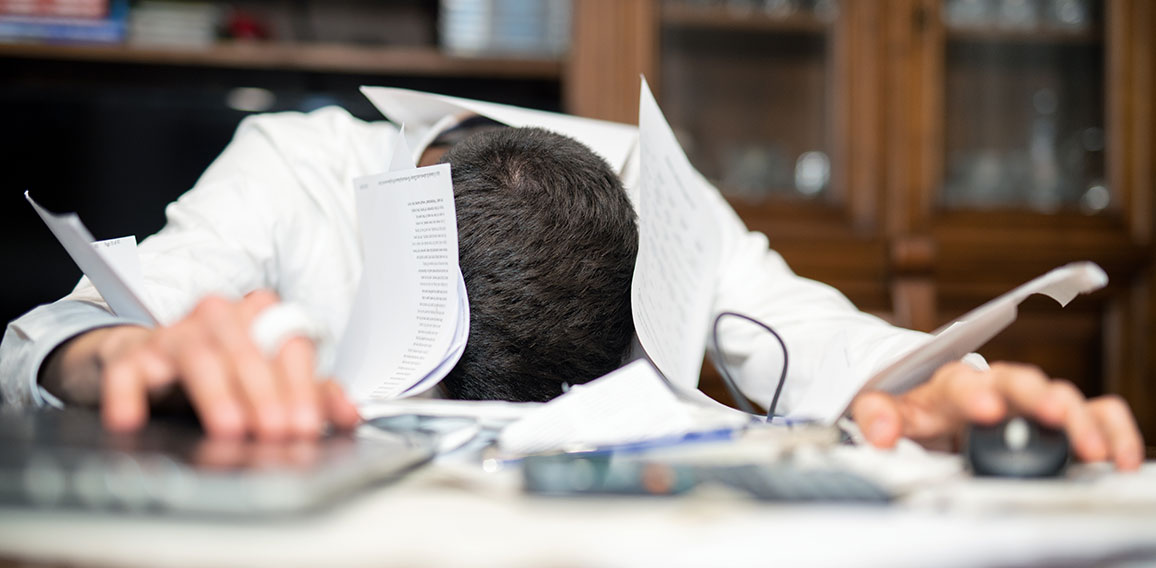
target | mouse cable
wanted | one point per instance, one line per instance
(732, 386)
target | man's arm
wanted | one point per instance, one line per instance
(834, 348)
(934, 413)
(271, 212)
(208, 357)
(30, 339)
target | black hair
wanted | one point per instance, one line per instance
(547, 241)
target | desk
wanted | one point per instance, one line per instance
(450, 515)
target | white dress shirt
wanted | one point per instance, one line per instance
(276, 210)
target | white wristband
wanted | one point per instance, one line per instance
(976, 361)
(280, 323)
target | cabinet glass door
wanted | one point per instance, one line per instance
(746, 85)
(1024, 106)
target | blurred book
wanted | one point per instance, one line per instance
(55, 8)
(63, 21)
(178, 24)
(532, 28)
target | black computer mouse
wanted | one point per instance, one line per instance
(1017, 447)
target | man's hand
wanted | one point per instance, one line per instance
(935, 412)
(209, 355)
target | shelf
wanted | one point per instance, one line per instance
(722, 18)
(329, 58)
(1041, 35)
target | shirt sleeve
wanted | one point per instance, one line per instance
(30, 338)
(203, 247)
(832, 347)
(272, 211)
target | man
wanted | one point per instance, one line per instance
(548, 240)
(547, 243)
(290, 176)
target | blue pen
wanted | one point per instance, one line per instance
(716, 435)
(701, 436)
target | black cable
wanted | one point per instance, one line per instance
(732, 387)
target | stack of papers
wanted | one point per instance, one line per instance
(628, 405)
(411, 316)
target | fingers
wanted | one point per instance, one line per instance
(294, 369)
(1097, 431)
(248, 375)
(934, 412)
(124, 396)
(1062, 405)
(879, 418)
(341, 411)
(234, 388)
(957, 394)
(967, 394)
(1117, 422)
(207, 378)
(986, 397)
(127, 379)
(303, 400)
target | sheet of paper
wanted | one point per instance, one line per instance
(122, 255)
(678, 251)
(489, 411)
(106, 264)
(630, 404)
(402, 158)
(410, 317)
(612, 140)
(457, 343)
(976, 327)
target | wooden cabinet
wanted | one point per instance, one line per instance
(926, 155)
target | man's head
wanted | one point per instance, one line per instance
(547, 242)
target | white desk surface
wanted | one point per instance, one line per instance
(449, 515)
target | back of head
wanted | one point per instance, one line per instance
(547, 242)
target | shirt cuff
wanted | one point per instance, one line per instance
(41, 397)
(31, 338)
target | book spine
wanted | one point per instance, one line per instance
(109, 29)
(55, 8)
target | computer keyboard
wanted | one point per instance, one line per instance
(64, 458)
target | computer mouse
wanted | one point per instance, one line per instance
(1017, 447)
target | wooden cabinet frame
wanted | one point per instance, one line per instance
(976, 255)
(881, 237)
